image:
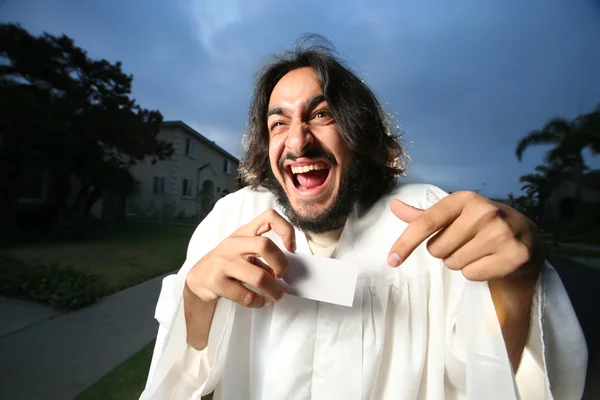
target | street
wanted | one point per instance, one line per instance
(583, 285)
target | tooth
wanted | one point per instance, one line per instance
(305, 168)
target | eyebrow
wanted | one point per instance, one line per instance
(310, 104)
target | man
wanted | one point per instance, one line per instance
(450, 317)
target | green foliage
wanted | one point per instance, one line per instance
(538, 188)
(60, 287)
(564, 161)
(569, 139)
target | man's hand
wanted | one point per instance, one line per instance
(486, 241)
(483, 239)
(223, 271)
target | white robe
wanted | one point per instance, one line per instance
(420, 331)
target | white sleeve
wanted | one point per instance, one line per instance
(554, 362)
(177, 370)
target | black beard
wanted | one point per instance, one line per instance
(335, 215)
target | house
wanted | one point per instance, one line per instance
(562, 202)
(187, 185)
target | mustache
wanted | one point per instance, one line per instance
(312, 153)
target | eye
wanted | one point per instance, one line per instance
(322, 114)
(276, 124)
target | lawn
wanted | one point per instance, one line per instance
(125, 256)
(126, 382)
(591, 237)
(573, 252)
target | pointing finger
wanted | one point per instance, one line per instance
(422, 225)
(404, 211)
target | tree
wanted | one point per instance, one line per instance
(569, 138)
(539, 186)
(522, 204)
(74, 114)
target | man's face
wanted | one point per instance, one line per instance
(308, 157)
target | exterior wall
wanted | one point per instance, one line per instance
(145, 172)
(187, 167)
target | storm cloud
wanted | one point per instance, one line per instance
(463, 79)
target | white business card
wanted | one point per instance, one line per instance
(321, 279)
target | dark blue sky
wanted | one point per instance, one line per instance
(464, 79)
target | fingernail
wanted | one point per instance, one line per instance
(393, 260)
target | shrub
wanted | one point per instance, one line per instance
(54, 285)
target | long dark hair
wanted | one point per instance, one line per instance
(359, 117)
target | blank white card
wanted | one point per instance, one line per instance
(321, 279)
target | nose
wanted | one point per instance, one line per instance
(299, 138)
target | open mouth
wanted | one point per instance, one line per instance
(309, 178)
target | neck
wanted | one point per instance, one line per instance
(325, 237)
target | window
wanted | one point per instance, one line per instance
(187, 188)
(227, 167)
(190, 147)
(159, 185)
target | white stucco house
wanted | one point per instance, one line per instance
(197, 175)
(562, 202)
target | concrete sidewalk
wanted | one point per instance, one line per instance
(59, 357)
(19, 314)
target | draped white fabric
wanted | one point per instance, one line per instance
(420, 331)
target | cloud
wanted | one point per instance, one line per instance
(466, 79)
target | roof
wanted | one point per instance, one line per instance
(203, 139)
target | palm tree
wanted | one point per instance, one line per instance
(585, 135)
(522, 204)
(539, 186)
(569, 138)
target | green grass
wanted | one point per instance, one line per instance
(573, 252)
(130, 254)
(126, 382)
(591, 237)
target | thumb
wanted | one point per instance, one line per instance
(405, 212)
